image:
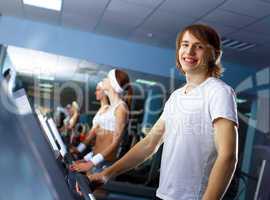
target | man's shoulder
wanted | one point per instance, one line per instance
(217, 84)
(218, 87)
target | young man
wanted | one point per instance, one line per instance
(198, 126)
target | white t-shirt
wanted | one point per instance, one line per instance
(189, 150)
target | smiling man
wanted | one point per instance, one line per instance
(198, 126)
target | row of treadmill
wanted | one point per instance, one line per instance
(34, 161)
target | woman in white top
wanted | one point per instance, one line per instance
(198, 126)
(110, 125)
(104, 104)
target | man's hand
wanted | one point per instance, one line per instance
(98, 179)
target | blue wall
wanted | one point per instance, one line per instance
(98, 49)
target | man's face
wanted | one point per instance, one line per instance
(191, 53)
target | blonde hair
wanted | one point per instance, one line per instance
(75, 105)
(210, 37)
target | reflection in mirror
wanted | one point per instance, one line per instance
(53, 81)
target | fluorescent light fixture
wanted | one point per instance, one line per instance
(48, 4)
(45, 90)
(45, 85)
(146, 82)
(44, 77)
(235, 44)
(238, 100)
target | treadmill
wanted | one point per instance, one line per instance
(28, 166)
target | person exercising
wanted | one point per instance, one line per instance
(110, 126)
(198, 126)
(104, 105)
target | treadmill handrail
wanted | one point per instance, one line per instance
(57, 137)
(84, 186)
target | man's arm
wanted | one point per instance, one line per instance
(226, 140)
(139, 153)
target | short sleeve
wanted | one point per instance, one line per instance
(165, 113)
(223, 105)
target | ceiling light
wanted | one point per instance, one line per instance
(235, 44)
(48, 4)
(147, 82)
(44, 77)
(45, 85)
(238, 100)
